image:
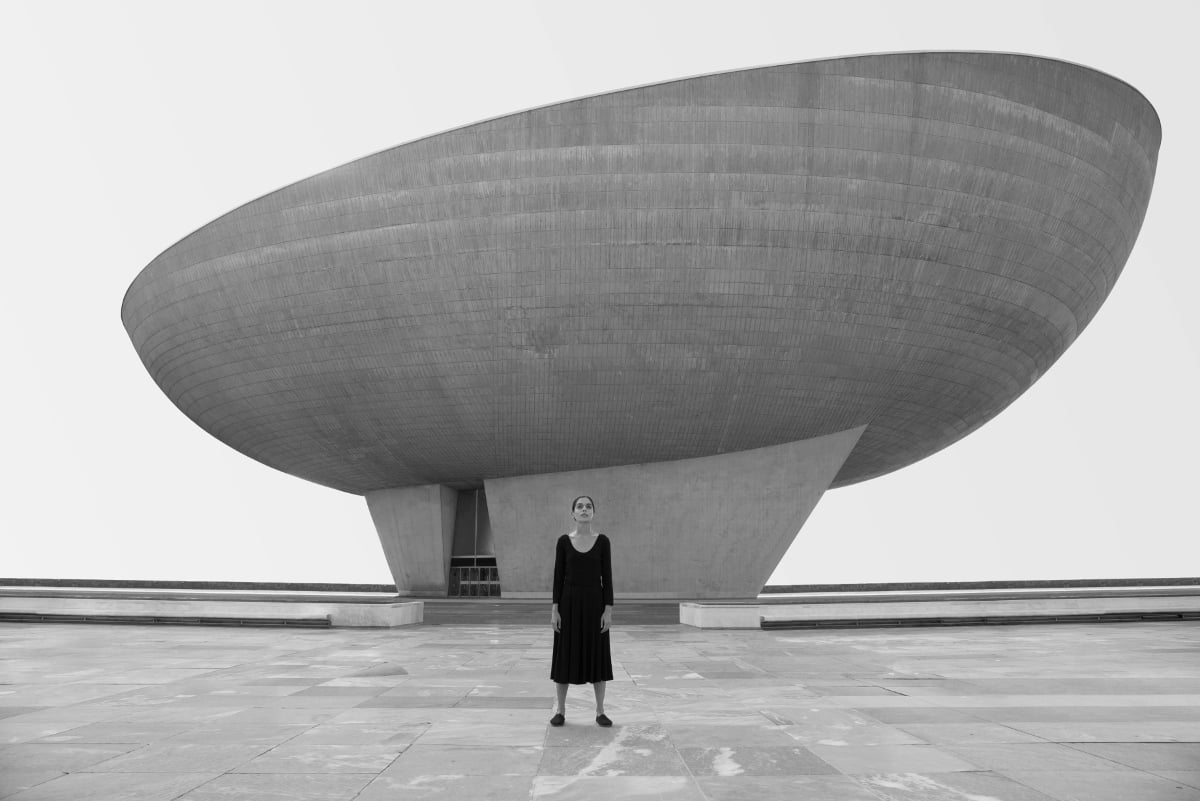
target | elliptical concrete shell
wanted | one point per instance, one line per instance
(905, 241)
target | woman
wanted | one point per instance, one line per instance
(582, 610)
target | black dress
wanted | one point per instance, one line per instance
(582, 588)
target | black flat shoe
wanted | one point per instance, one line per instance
(602, 720)
(558, 719)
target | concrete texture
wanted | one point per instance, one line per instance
(228, 606)
(949, 606)
(715, 264)
(840, 610)
(713, 527)
(23, 605)
(1063, 713)
(472, 525)
(1059, 604)
(746, 615)
(416, 528)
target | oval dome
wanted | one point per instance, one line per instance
(708, 265)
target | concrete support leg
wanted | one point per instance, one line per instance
(713, 527)
(416, 527)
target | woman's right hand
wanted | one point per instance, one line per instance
(555, 620)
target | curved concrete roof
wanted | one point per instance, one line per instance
(726, 262)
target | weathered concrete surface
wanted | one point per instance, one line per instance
(753, 613)
(714, 527)
(1061, 604)
(416, 528)
(695, 267)
(349, 613)
(746, 615)
(1046, 713)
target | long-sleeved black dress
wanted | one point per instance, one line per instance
(582, 588)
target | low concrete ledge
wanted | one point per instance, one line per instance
(715, 615)
(233, 609)
(947, 608)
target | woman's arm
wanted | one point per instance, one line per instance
(555, 620)
(606, 571)
(606, 578)
(559, 570)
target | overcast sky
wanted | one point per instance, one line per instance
(128, 125)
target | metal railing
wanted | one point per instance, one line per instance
(474, 582)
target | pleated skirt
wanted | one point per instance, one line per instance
(581, 652)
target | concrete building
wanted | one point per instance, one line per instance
(703, 302)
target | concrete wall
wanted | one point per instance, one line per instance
(472, 526)
(416, 528)
(713, 527)
(217, 605)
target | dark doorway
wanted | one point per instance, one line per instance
(473, 570)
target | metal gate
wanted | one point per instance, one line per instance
(469, 580)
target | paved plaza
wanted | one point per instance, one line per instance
(1015, 713)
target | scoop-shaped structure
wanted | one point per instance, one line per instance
(894, 245)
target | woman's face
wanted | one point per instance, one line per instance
(584, 509)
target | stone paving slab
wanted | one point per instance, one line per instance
(1107, 786)
(1026, 713)
(113, 787)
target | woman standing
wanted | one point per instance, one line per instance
(582, 611)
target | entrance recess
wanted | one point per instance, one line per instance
(473, 570)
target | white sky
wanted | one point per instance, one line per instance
(128, 125)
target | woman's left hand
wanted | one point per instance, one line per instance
(606, 619)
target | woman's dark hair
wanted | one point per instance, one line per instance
(589, 497)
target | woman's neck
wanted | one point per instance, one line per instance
(583, 529)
